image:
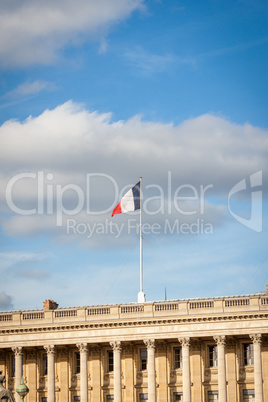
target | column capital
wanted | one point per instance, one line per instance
(150, 343)
(256, 338)
(184, 341)
(50, 349)
(83, 347)
(116, 345)
(220, 340)
(17, 350)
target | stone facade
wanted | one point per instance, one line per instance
(198, 350)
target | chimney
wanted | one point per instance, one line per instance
(267, 289)
(50, 305)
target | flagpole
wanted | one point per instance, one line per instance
(141, 295)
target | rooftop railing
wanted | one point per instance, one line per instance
(137, 311)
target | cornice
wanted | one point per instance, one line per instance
(129, 324)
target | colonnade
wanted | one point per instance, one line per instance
(150, 344)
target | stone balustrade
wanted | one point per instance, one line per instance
(132, 310)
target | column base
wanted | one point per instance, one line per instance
(141, 297)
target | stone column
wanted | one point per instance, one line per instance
(220, 340)
(186, 374)
(18, 369)
(150, 343)
(117, 371)
(83, 349)
(50, 349)
(256, 338)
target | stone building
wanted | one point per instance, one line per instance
(196, 350)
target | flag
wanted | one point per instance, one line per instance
(130, 201)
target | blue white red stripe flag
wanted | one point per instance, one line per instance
(130, 201)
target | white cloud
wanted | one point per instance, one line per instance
(33, 31)
(5, 301)
(69, 142)
(29, 88)
(69, 139)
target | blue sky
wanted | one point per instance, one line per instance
(94, 95)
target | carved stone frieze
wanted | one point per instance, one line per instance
(31, 354)
(195, 345)
(128, 349)
(231, 343)
(169, 348)
(63, 352)
(95, 351)
(162, 347)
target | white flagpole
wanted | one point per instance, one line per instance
(141, 295)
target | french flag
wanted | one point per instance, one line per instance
(130, 201)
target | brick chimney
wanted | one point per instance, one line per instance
(50, 305)
(267, 289)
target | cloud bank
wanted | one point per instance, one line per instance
(33, 32)
(82, 153)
